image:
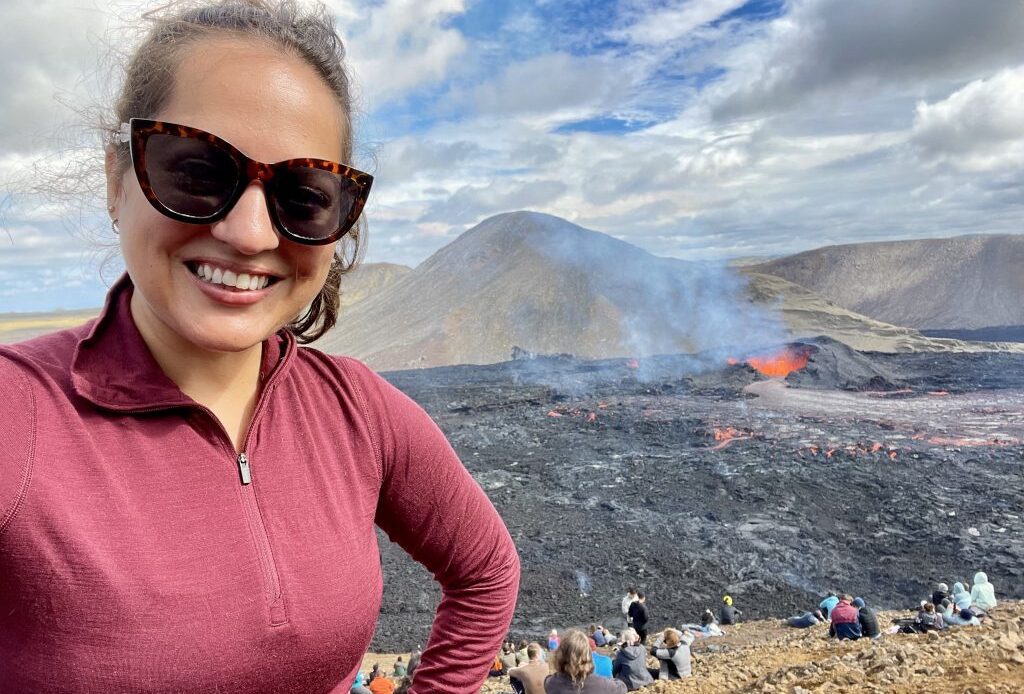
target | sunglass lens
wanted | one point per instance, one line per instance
(313, 203)
(190, 176)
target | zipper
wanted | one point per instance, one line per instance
(243, 469)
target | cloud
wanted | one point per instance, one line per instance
(979, 127)
(659, 26)
(851, 49)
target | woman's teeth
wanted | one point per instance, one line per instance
(216, 275)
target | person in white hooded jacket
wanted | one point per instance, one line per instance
(983, 595)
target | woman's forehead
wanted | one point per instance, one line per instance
(268, 102)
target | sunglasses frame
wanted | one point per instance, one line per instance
(138, 131)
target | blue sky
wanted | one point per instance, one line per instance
(701, 129)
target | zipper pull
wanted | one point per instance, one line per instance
(243, 469)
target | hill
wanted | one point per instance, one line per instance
(961, 283)
(368, 279)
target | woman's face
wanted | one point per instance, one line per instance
(272, 106)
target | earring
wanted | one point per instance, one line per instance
(114, 227)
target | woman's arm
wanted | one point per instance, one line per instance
(17, 439)
(431, 506)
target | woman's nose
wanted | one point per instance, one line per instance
(247, 227)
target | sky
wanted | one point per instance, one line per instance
(701, 129)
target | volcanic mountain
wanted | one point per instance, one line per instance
(545, 285)
(965, 283)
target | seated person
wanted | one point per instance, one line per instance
(961, 598)
(399, 670)
(940, 593)
(508, 657)
(983, 594)
(602, 664)
(574, 669)
(845, 620)
(868, 620)
(529, 677)
(598, 635)
(381, 685)
(963, 618)
(630, 664)
(929, 619)
(672, 650)
(826, 605)
(609, 637)
(727, 614)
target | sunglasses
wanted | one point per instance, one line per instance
(195, 177)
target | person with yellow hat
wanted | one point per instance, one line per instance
(727, 614)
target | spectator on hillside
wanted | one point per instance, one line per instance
(591, 637)
(574, 670)
(845, 620)
(983, 594)
(639, 616)
(602, 664)
(961, 598)
(963, 618)
(374, 673)
(399, 669)
(609, 637)
(381, 685)
(940, 593)
(928, 620)
(553, 640)
(630, 664)
(805, 620)
(868, 619)
(598, 635)
(357, 685)
(672, 650)
(826, 605)
(529, 677)
(628, 600)
(727, 613)
(508, 657)
(414, 662)
(522, 653)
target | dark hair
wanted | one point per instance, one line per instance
(640, 595)
(307, 33)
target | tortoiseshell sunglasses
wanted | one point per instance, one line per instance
(193, 176)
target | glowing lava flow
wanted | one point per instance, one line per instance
(780, 363)
(727, 435)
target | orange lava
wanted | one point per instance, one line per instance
(728, 435)
(633, 364)
(780, 363)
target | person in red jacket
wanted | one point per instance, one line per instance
(845, 619)
(188, 497)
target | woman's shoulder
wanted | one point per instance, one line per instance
(45, 356)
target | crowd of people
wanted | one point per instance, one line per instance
(597, 661)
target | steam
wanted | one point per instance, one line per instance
(583, 582)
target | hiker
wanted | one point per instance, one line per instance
(672, 649)
(963, 618)
(845, 620)
(399, 670)
(630, 665)
(805, 620)
(609, 637)
(869, 627)
(639, 615)
(961, 598)
(553, 640)
(826, 605)
(983, 595)
(928, 620)
(574, 670)
(628, 600)
(243, 474)
(522, 653)
(529, 677)
(940, 593)
(727, 614)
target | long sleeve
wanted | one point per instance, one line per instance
(17, 439)
(431, 506)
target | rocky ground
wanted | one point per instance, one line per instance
(767, 657)
(866, 473)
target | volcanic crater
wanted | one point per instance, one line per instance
(866, 472)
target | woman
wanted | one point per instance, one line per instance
(574, 670)
(983, 595)
(630, 664)
(672, 650)
(187, 497)
(961, 598)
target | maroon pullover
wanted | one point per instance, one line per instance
(140, 553)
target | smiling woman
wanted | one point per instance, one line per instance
(210, 526)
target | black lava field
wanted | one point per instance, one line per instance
(869, 473)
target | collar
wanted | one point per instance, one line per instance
(113, 368)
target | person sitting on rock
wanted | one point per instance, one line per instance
(508, 657)
(961, 598)
(574, 669)
(357, 685)
(963, 618)
(826, 605)
(597, 634)
(805, 620)
(381, 685)
(609, 637)
(868, 620)
(939, 593)
(727, 613)
(630, 664)
(399, 669)
(983, 594)
(928, 620)
(529, 677)
(672, 650)
(523, 654)
(845, 620)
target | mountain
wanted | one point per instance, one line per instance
(546, 285)
(966, 283)
(367, 280)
